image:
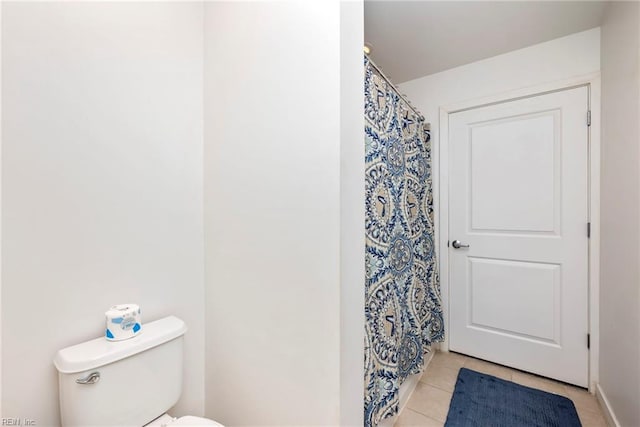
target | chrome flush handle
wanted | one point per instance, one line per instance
(457, 244)
(92, 378)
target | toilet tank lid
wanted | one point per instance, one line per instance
(99, 352)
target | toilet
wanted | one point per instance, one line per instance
(125, 383)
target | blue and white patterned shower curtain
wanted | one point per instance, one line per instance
(402, 300)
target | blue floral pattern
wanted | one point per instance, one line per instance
(403, 305)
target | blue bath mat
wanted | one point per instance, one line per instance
(481, 400)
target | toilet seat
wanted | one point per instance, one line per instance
(167, 420)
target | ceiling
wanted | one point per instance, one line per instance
(411, 39)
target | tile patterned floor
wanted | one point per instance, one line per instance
(429, 403)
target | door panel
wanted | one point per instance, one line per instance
(523, 295)
(518, 198)
(515, 157)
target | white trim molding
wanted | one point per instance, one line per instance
(441, 197)
(607, 410)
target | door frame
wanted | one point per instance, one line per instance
(441, 198)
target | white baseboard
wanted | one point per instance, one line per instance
(607, 410)
(406, 390)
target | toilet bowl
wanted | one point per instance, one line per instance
(167, 420)
(105, 382)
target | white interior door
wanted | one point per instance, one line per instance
(518, 197)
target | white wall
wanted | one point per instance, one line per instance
(620, 210)
(559, 59)
(1, 412)
(273, 212)
(102, 183)
(352, 214)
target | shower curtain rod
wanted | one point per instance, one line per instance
(402, 96)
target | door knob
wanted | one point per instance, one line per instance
(457, 245)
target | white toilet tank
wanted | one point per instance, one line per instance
(127, 383)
